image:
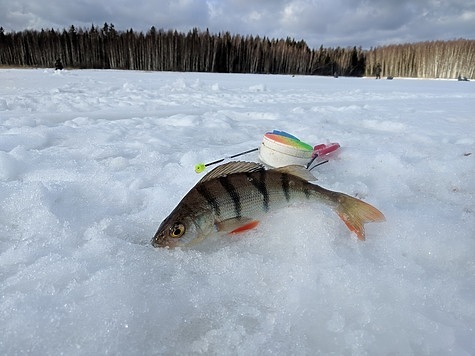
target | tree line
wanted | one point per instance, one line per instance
(431, 59)
(201, 51)
(161, 50)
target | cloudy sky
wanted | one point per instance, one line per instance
(329, 23)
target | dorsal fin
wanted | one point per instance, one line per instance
(232, 167)
(298, 171)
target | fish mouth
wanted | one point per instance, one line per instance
(158, 240)
(156, 244)
(162, 241)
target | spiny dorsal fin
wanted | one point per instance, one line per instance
(232, 167)
(298, 171)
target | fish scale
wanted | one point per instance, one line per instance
(232, 197)
(249, 194)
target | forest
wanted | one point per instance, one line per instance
(202, 51)
(434, 59)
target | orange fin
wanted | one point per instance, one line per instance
(236, 225)
(355, 213)
(249, 226)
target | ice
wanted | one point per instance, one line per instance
(91, 162)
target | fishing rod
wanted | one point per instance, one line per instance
(200, 167)
(318, 164)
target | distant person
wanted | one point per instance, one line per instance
(58, 65)
(378, 71)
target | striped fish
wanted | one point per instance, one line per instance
(232, 197)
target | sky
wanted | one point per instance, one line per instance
(331, 23)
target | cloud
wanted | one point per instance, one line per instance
(329, 22)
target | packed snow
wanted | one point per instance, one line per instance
(92, 161)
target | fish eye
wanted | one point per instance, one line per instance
(177, 230)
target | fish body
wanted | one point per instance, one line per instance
(232, 197)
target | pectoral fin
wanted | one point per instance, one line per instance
(236, 225)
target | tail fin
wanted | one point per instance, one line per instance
(355, 213)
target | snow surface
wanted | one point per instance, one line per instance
(91, 162)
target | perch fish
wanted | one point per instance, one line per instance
(232, 197)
